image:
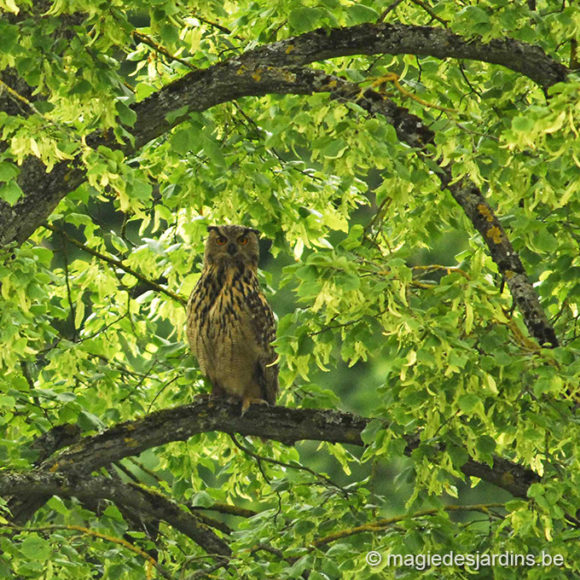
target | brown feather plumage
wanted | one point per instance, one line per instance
(230, 325)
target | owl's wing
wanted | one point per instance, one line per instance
(264, 327)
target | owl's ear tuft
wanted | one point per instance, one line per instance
(257, 232)
(210, 228)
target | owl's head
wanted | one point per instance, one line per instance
(232, 245)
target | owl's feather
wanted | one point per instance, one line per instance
(230, 326)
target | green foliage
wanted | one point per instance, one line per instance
(389, 303)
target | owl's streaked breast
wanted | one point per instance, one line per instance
(222, 330)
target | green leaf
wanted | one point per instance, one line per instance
(202, 499)
(523, 124)
(370, 432)
(359, 13)
(10, 192)
(458, 455)
(334, 149)
(140, 189)
(8, 36)
(183, 141)
(126, 114)
(34, 547)
(304, 19)
(468, 402)
(213, 150)
(7, 171)
(176, 115)
(169, 34)
(486, 444)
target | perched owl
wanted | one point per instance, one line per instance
(230, 326)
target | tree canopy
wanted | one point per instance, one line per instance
(413, 169)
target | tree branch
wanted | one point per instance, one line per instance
(41, 484)
(410, 129)
(248, 75)
(72, 527)
(116, 263)
(384, 523)
(256, 73)
(395, 38)
(276, 423)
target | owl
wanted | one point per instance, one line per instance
(230, 326)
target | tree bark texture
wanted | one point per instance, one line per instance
(282, 424)
(239, 76)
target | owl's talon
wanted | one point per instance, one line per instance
(247, 401)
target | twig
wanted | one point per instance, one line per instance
(327, 480)
(226, 508)
(162, 50)
(17, 96)
(447, 269)
(389, 8)
(118, 264)
(381, 524)
(429, 11)
(394, 78)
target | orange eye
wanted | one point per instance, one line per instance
(221, 241)
(243, 240)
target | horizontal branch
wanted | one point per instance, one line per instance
(277, 423)
(395, 38)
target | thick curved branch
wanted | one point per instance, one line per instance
(395, 38)
(195, 92)
(410, 129)
(276, 423)
(138, 500)
(248, 75)
(254, 74)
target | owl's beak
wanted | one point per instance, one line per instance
(232, 249)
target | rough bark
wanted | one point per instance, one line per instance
(396, 38)
(509, 264)
(276, 423)
(39, 484)
(254, 74)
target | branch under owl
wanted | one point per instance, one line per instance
(71, 473)
(276, 423)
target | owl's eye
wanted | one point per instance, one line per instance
(242, 240)
(221, 241)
